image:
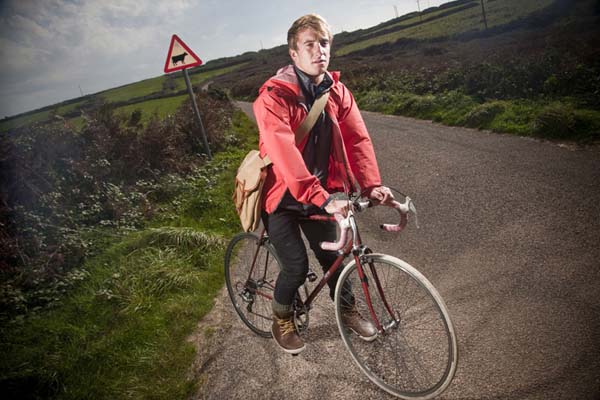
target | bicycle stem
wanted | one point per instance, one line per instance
(348, 222)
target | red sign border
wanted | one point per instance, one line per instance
(187, 49)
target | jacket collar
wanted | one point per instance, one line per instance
(309, 89)
(286, 78)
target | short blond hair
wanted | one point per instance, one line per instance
(308, 21)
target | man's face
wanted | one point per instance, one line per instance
(311, 54)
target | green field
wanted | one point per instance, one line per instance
(131, 91)
(498, 12)
(425, 17)
(153, 85)
(125, 93)
(24, 120)
(159, 107)
(37, 117)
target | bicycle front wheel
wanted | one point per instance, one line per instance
(251, 268)
(415, 354)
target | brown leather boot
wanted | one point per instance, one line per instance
(364, 328)
(286, 336)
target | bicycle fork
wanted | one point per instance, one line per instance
(393, 322)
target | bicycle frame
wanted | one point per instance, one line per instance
(354, 247)
(414, 353)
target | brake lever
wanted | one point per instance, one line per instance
(413, 209)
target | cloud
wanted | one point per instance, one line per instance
(46, 45)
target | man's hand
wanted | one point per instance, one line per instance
(382, 195)
(337, 206)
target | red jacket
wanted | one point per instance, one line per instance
(279, 111)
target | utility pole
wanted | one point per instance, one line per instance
(396, 11)
(80, 91)
(483, 13)
(419, 8)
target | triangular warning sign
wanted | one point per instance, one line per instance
(180, 56)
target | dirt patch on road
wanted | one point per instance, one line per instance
(234, 363)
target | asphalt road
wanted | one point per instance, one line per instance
(510, 237)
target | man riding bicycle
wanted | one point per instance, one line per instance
(336, 154)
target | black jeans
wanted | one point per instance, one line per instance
(283, 227)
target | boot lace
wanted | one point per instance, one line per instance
(350, 312)
(286, 326)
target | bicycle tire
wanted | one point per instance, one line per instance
(417, 355)
(251, 296)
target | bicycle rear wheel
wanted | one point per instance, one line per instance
(251, 268)
(416, 353)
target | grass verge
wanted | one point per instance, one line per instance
(121, 334)
(556, 119)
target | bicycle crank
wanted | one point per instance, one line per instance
(392, 324)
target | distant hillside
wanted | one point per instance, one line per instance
(443, 36)
(535, 69)
(527, 51)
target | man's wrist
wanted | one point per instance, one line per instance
(329, 199)
(369, 191)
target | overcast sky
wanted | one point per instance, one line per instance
(51, 48)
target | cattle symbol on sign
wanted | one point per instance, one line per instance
(180, 56)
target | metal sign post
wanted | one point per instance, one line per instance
(176, 60)
(483, 13)
(197, 112)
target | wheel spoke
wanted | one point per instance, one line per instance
(251, 268)
(415, 357)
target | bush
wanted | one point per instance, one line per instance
(216, 111)
(415, 106)
(587, 125)
(555, 121)
(64, 192)
(481, 116)
(452, 107)
(376, 100)
(552, 74)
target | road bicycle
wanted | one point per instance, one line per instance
(415, 353)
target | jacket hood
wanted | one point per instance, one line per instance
(286, 78)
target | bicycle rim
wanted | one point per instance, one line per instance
(415, 356)
(251, 293)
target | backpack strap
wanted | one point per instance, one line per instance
(308, 123)
(267, 160)
(310, 120)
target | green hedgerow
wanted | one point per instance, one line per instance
(556, 121)
(482, 115)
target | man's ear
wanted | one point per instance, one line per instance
(293, 54)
